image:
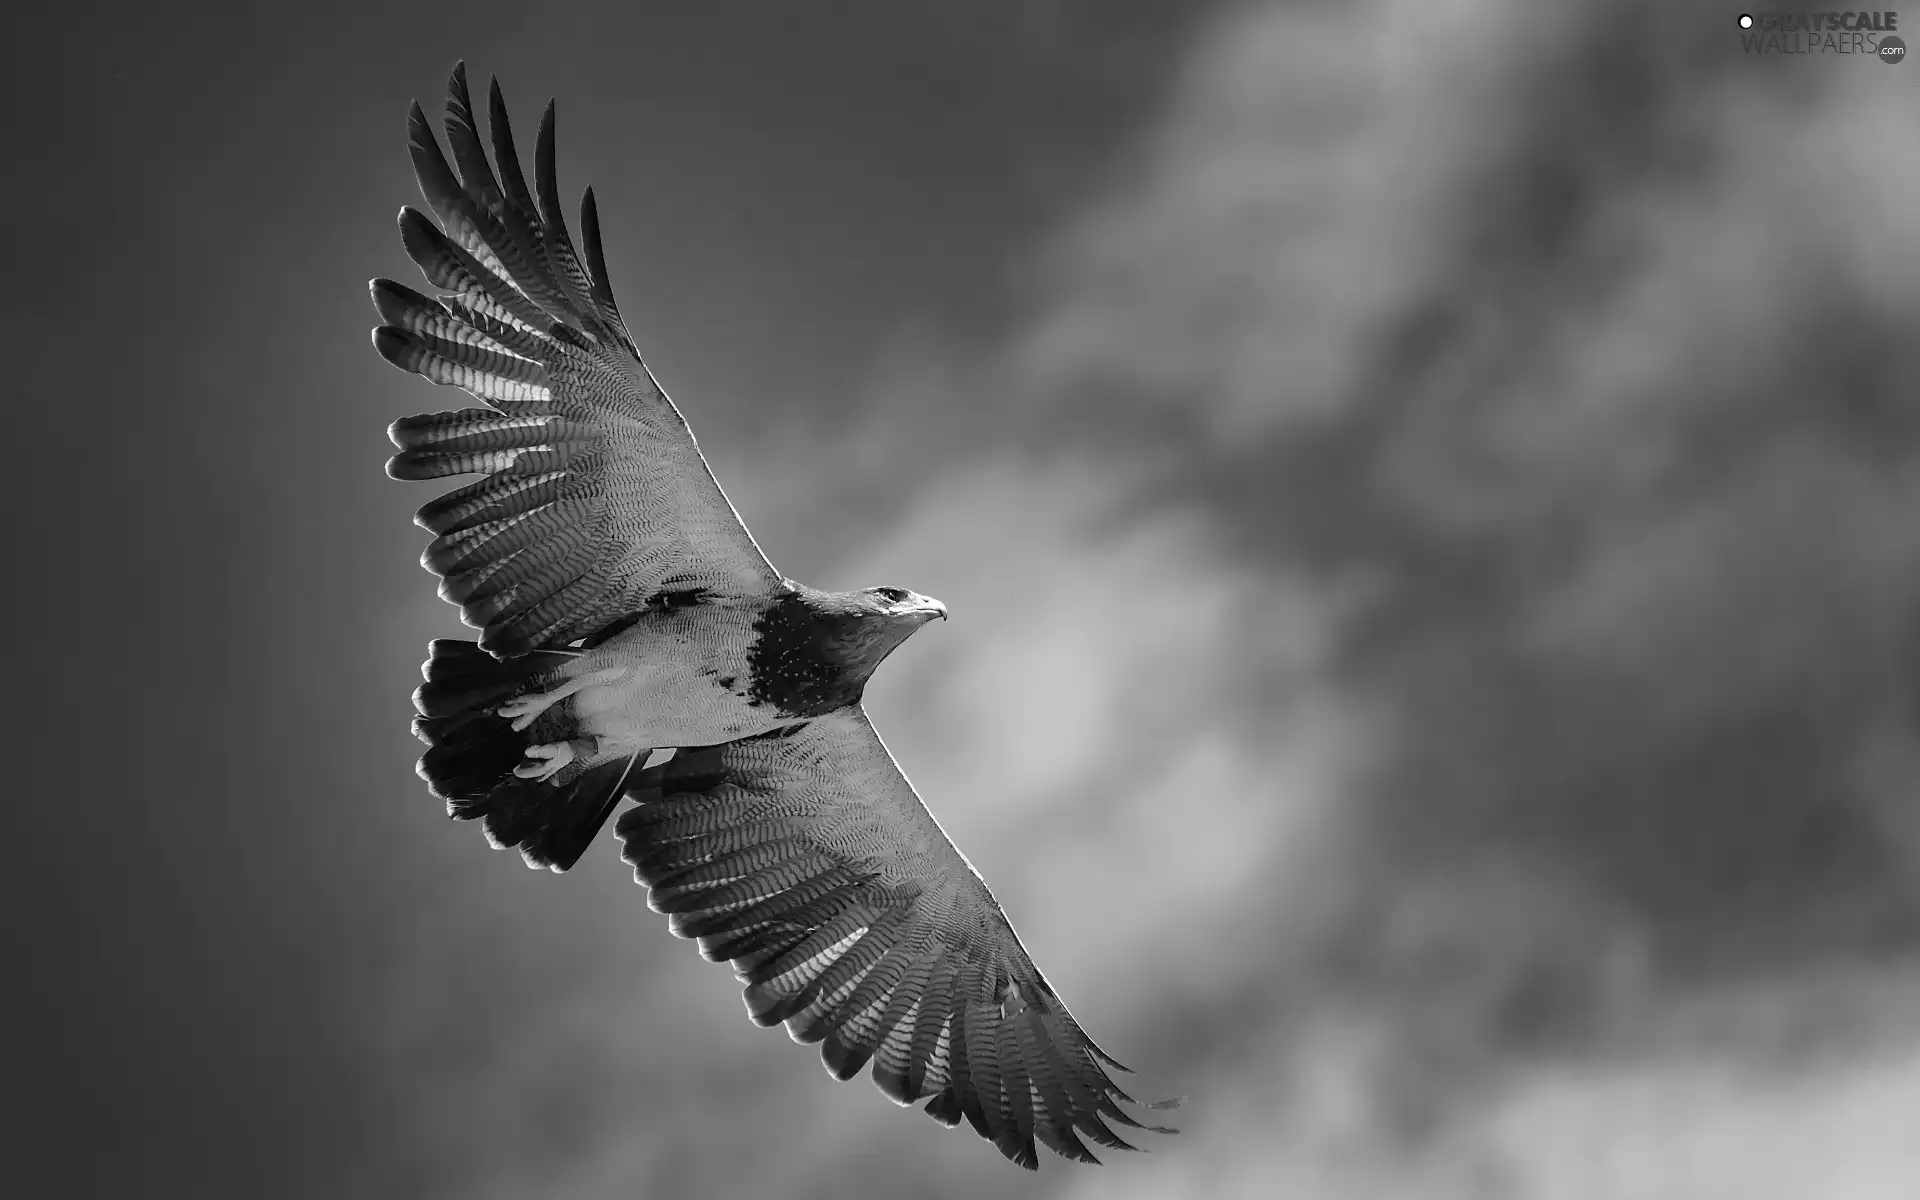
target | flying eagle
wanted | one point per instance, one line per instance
(624, 609)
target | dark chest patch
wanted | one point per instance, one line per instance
(794, 663)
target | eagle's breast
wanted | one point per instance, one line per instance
(797, 664)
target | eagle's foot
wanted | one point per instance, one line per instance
(545, 761)
(521, 710)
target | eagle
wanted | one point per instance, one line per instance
(624, 609)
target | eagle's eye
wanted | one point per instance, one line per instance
(892, 595)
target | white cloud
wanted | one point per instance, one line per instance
(1298, 184)
(1649, 1133)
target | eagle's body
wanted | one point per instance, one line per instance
(673, 678)
(689, 675)
(625, 609)
(558, 732)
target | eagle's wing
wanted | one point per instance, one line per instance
(596, 499)
(806, 858)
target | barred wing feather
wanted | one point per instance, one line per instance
(595, 498)
(806, 859)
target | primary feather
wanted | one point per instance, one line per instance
(526, 331)
(805, 858)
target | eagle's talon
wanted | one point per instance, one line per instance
(548, 759)
(522, 711)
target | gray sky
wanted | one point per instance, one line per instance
(1425, 494)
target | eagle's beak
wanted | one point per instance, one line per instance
(927, 607)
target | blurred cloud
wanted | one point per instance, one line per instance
(1272, 217)
(1435, 668)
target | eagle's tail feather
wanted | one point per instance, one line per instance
(472, 752)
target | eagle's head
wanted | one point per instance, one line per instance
(861, 628)
(814, 651)
(909, 609)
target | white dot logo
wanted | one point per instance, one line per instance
(1746, 21)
